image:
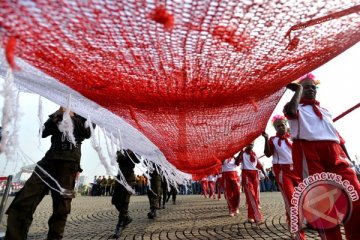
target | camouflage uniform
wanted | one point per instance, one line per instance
(154, 193)
(103, 184)
(98, 187)
(113, 182)
(108, 186)
(62, 162)
(121, 197)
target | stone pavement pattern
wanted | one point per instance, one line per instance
(193, 217)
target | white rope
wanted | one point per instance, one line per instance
(26, 160)
(123, 182)
(60, 190)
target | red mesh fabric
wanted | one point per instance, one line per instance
(199, 78)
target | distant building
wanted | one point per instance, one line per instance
(18, 180)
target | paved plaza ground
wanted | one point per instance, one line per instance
(193, 217)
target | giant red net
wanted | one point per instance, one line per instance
(198, 78)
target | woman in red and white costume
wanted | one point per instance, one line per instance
(250, 181)
(231, 184)
(318, 148)
(205, 186)
(212, 180)
(279, 147)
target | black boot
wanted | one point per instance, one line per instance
(118, 230)
(124, 217)
(152, 214)
(127, 220)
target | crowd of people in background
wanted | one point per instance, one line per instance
(104, 186)
(268, 185)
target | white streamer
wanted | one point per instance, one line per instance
(110, 148)
(123, 182)
(66, 125)
(40, 120)
(121, 145)
(9, 121)
(96, 145)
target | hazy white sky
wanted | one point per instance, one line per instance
(338, 92)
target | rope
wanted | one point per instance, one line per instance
(60, 190)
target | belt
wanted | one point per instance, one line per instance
(65, 146)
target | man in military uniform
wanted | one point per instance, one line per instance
(98, 188)
(103, 184)
(94, 187)
(108, 186)
(62, 162)
(154, 193)
(121, 196)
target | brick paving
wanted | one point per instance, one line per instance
(193, 217)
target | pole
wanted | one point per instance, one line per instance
(346, 112)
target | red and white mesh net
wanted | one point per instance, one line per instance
(197, 80)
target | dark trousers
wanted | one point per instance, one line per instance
(173, 193)
(20, 212)
(121, 197)
(163, 193)
(155, 192)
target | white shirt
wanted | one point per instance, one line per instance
(212, 178)
(282, 154)
(229, 165)
(247, 164)
(309, 126)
